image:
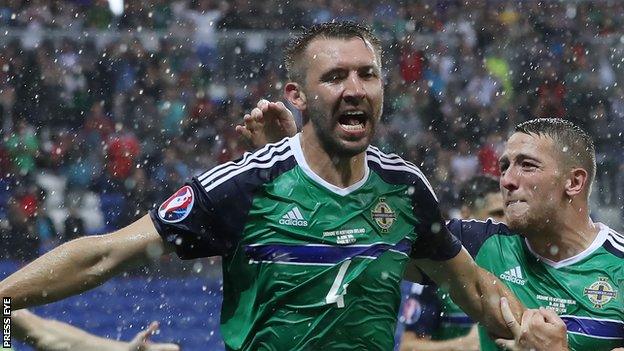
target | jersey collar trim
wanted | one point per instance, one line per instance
(295, 146)
(598, 241)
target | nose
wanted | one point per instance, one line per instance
(509, 179)
(354, 89)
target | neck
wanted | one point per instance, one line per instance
(339, 171)
(566, 237)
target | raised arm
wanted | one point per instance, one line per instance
(83, 264)
(268, 122)
(474, 289)
(51, 335)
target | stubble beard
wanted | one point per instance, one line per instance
(530, 223)
(324, 128)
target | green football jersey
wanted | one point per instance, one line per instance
(307, 265)
(585, 290)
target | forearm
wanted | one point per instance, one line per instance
(480, 298)
(64, 337)
(422, 344)
(412, 272)
(474, 289)
(69, 269)
(80, 264)
(51, 335)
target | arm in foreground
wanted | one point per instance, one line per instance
(83, 264)
(540, 330)
(474, 289)
(410, 341)
(51, 335)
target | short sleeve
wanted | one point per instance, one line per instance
(473, 233)
(188, 220)
(207, 216)
(434, 240)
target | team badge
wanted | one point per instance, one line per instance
(383, 215)
(600, 292)
(178, 206)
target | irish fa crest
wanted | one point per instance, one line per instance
(600, 292)
(383, 215)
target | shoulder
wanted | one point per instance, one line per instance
(256, 168)
(614, 242)
(489, 226)
(474, 233)
(392, 168)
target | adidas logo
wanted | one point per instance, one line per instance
(513, 275)
(293, 218)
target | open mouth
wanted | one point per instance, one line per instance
(512, 202)
(353, 121)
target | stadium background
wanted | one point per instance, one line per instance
(103, 115)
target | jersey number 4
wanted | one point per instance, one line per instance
(332, 296)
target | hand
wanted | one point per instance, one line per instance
(268, 122)
(141, 341)
(470, 341)
(541, 329)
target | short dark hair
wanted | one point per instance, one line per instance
(474, 191)
(338, 30)
(575, 145)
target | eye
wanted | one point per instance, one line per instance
(503, 167)
(368, 73)
(528, 166)
(334, 76)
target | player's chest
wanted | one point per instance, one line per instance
(587, 297)
(300, 213)
(563, 289)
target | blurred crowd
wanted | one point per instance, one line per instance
(126, 107)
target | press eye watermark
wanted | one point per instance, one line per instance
(6, 322)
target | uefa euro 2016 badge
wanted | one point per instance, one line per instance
(178, 206)
(600, 292)
(383, 215)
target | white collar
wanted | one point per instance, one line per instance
(295, 145)
(598, 241)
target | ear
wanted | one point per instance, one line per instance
(576, 182)
(294, 94)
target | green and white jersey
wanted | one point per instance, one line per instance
(307, 265)
(586, 290)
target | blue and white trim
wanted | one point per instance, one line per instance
(320, 254)
(393, 162)
(594, 327)
(616, 240)
(263, 158)
(456, 319)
